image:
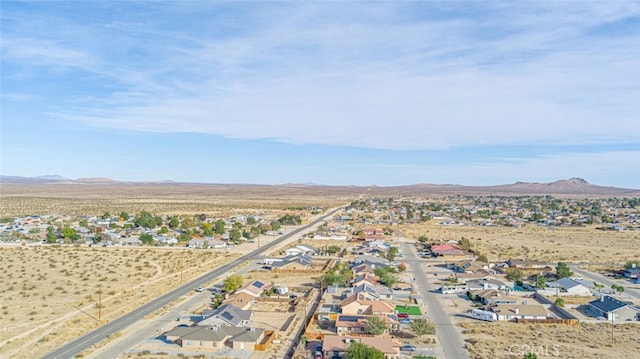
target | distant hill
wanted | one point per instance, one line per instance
(571, 187)
(575, 187)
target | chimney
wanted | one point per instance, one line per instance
(602, 298)
(517, 310)
(633, 265)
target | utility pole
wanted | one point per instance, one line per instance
(99, 302)
(612, 314)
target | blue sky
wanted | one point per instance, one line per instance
(338, 93)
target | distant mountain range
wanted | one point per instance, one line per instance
(571, 186)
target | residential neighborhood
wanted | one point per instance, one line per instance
(357, 279)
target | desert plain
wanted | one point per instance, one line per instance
(52, 294)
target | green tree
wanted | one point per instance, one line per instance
(188, 222)
(362, 351)
(541, 281)
(70, 234)
(99, 237)
(386, 275)
(232, 283)
(52, 237)
(530, 355)
(617, 288)
(163, 230)
(482, 258)
(465, 244)
(275, 226)
(145, 219)
(251, 220)
(235, 235)
(124, 215)
(560, 302)
(147, 239)
(563, 271)
(219, 226)
(376, 325)
(290, 220)
(83, 223)
(207, 229)
(174, 222)
(392, 252)
(514, 274)
(106, 215)
(423, 239)
(421, 327)
(333, 249)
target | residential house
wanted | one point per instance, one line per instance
(246, 341)
(448, 252)
(301, 249)
(253, 288)
(130, 241)
(228, 314)
(530, 267)
(335, 346)
(359, 303)
(485, 283)
(377, 244)
(477, 275)
(493, 297)
(374, 291)
(467, 266)
(365, 278)
(213, 338)
(569, 286)
(372, 261)
(351, 324)
(509, 312)
(241, 300)
(614, 309)
(293, 262)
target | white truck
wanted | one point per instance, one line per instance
(484, 315)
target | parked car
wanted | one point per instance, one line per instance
(318, 355)
(408, 348)
(406, 321)
(199, 289)
(403, 315)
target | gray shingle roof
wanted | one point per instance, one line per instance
(608, 304)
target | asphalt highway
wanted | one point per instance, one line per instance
(630, 290)
(76, 346)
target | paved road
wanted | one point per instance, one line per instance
(70, 349)
(448, 335)
(608, 281)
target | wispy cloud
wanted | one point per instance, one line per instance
(385, 75)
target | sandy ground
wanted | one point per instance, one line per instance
(50, 294)
(535, 242)
(511, 340)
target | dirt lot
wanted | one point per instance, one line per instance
(50, 294)
(536, 242)
(511, 340)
